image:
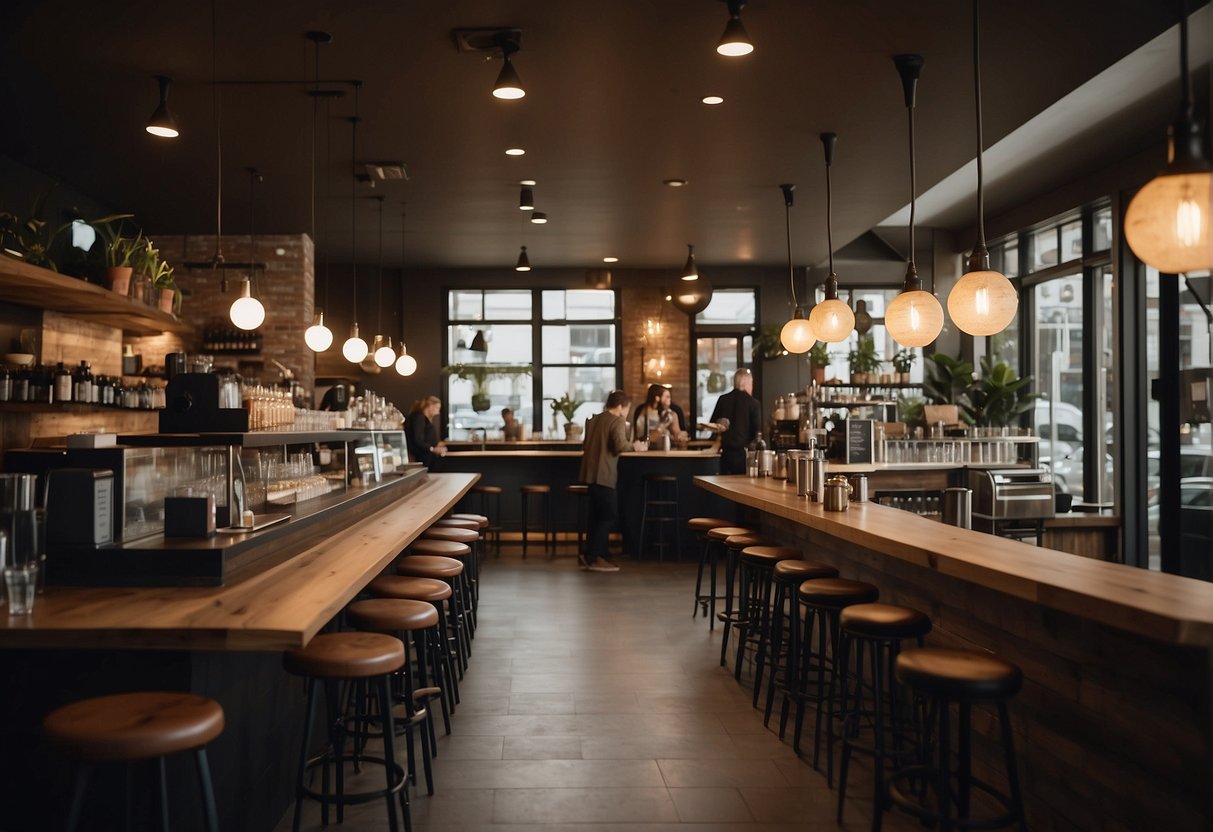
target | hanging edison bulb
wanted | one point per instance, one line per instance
(354, 349)
(246, 311)
(318, 337)
(914, 318)
(832, 320)
(385, 356)
(406, 365)
(797, 335)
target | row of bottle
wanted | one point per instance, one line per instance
(269, 408)
(46, 385)
(231, 340)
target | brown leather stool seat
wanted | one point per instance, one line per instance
(346, 656)
(429, 566)
(837, 592)
(440, 548)
(417, 589)
(535, 489)
(958, 675)
(480, 519)
(722, 533)
(803, 570)
(391, 615)
(577, 488)
(887, 621)
(486, 489)
(370, 659)
(769, 555)
(744, 541)
(467, 536)
(133, 726)
(456, 523)
(706, 524)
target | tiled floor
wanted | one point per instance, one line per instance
(595, 702)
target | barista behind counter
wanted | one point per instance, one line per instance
(422, 434)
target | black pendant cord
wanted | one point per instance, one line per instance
(218, 132)
(1186, 108)
(404, 213)
(787, 224)
(981, 198)
(354, 200)
(379, 330)
(328, 189)
(315, 116)
(830, 208)
(253, 178)
(913, 188)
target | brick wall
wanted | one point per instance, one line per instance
(646, 302)
(286, 288)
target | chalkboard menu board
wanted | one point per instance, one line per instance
(860, 437)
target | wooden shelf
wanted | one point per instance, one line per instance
(65, 407)
(33, 286)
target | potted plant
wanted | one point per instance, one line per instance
(146, 263)
(999, 397)
(120, 252)
(169, 295)
(819, 359)
(479, 375)
(863, 360)
(767, 345)
(909, 410)
(567, 406)
(948, 380)
(903, 360)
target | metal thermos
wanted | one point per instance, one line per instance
(837, 493)
(859, 488)
(766, 463)
(780, 471)
(817, 477)
(803, 461)
(958, 507)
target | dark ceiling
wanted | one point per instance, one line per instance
(612, 108)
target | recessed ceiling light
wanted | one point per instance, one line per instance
(610, 259)
(515, 151)
(530, 183)
(713, 99)
(674, 183)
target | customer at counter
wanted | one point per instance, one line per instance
(654, 419)
(744, 418)
(422, 434)
(511, 428)
(606, 437)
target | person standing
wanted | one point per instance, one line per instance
(606, 437)
(745, 418)
(421, 434)
(511, 428)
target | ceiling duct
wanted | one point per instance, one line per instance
(387, 171)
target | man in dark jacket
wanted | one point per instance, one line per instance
(606, 437)
(744, 416)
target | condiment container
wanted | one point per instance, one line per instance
(837, 493)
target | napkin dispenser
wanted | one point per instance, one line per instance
(80, 507)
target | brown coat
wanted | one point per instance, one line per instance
(606, 437)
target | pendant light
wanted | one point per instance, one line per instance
(524, 262)
(692, 292)
(354, 349)
(384, 355)
(162, 123)
(689, 270)
(832, 319)
(509, 85)
(983, 301)
(863, 320)
(318, 337)
(217, 262)
(914, 318)
(797, 334)
(246, 311)
(406, 365)
(526, 199)
(735, 42)
(1167, 223)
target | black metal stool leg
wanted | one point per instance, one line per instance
(84, 773)
(308, 718)
(208, 792)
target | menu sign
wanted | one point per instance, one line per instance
(860, 438)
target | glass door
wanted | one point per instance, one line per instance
(717, 357)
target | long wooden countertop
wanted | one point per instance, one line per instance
(559, 454)
(280, 608)
(1164, 607)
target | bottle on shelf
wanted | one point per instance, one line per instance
(62, 385)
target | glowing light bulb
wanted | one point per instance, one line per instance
(354, 349)
(1166, 224)
(983, 302)
(246, 311)
(406, 365)
(1188, 222)
(797, 335)
(914, 318)
(385, 356)
(832, 320)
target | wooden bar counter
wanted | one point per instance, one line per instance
(1112, 726)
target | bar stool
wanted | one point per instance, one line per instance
(407, 620)
(438, 594)
(661, 508)
(129, 728)
(439, 546)
(448, 570)
(579, 494)
(824, 600)
(483, 527)
(882, 628)
(544, 492)
(493, 531)
(699, 527)
(964, 678)
(471, 572)
(341, 657)
(754, 603)
(788, 576)
(716, 537)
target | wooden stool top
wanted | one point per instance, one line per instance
(745, 541)
(887, 621)
(535, 489)
(837, 592)
(660, 478)
(452, 534)
(441, 548)
(486, 489)
(958, 675)
(479, 519)
(346, 656)
(426, 566)
(418, 589)
(133, 726)
(723, 532)
(769, 555)
(704, 524)
(578, 488)
(798, 571)
(390, 615)
(456, 523)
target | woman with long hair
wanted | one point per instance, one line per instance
(421, 432)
